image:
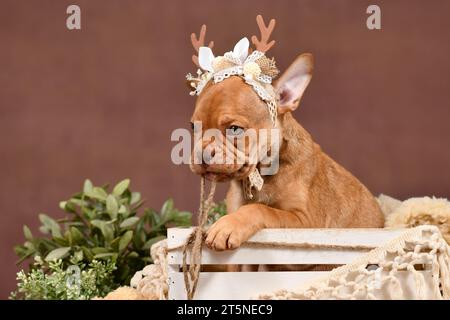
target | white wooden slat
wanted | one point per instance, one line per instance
(366, 237)
(245, 285)
(256, 255)
(283, 255)
(236, 285)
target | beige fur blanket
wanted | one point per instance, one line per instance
(417, 211)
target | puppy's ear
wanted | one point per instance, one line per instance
(292, 84)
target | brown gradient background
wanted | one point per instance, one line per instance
(102, 102)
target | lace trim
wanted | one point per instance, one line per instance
(255, 55)
(264, 79)
(229, 56)
(254, 180)
(267, 98)
(224, 74)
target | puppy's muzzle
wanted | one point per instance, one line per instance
(221, 161)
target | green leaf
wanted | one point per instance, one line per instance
(68, 237)
(139, 233)
(43, 229)
(87, 187)
(77, 236)
(98, 223)
(142, 236)
(78, 202)
(122, 210)
(121, 187)
(154, 217)
(24, 256)
(67, 206)
(147, 260)
(114, 244)
(129, 222)
(125, 240)
(50, 224)
(20, 250)
(97, 193)
(152, 241)
(133, 254)
(75, 223)
(182, 219)
(29, 245)
(98, 250)
(106, 229)
(27, 233)
(111, 206)
(135, 197)
(123, 272)
(57, 254)
(87, 253)
(167, 208)
(61, 241)
(89, 213)
(47, 245)
(78, 255)
(62, 205)
(105, 255)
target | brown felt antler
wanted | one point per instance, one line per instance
(199, 42)
(263, 45)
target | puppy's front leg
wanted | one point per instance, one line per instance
(235, 228)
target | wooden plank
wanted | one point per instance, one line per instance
(256, 255)
(245, 285)
(349, 237)
(236, 285)
(284, 255)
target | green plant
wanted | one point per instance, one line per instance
(102, 224)
(216, 212)
(50, 281)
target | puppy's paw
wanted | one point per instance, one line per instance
(228, 233)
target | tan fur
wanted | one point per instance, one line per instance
(310, 189)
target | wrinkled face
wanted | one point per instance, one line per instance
(236, 133)
(235, 113)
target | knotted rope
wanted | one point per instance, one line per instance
(191, 272)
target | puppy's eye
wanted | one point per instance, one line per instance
(235, 130)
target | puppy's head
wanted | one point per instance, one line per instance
(233, 131)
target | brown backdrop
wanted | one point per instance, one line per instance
(102, 102)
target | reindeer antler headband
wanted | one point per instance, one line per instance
(255, 68)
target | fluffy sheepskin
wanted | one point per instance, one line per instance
(123, 293)
(417, 211)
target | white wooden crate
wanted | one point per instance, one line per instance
(244, 285)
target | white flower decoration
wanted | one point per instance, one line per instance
(239, 54)
(206, 58)
(240, 51)
(251, 70)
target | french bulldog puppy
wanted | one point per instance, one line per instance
(310, 190)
